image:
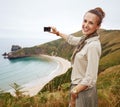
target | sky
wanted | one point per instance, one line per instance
(26, 18)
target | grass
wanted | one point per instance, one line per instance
(55, 93)
(109, 87)
(109, 60)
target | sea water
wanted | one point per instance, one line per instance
(22, 70)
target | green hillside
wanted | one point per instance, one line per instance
(56, 92)
(110, 40)
(111, 49)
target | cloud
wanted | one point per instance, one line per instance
(31, 16)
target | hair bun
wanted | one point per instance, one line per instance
(100, 11)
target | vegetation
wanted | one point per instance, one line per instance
(56, 92)
(109, 87)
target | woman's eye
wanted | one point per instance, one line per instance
(91, 23)
(85, 21)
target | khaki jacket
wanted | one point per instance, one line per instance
(86, 62)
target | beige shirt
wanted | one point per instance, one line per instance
(86, 62)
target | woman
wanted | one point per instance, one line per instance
(85, 59)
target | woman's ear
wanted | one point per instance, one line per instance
(98, 27)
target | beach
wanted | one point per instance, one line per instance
(32, 88)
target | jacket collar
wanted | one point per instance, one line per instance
(93, 39)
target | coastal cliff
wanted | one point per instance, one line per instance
(110, 40)
(56, 93)
(24, 52)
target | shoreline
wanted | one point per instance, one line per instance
(32, 88)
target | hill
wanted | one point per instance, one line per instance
(55, 93)
(110, 40)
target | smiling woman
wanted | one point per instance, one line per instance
(85, 59)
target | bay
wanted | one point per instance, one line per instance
(22, 70)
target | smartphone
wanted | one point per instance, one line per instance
(47, 29)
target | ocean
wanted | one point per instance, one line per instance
(22, 70)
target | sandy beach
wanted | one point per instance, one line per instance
(35, 86)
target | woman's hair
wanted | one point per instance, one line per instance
(99, 12)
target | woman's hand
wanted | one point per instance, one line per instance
(54, 31)
(73, 99)
(74, 96)
(74, 93)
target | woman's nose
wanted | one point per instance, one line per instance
(86, 25)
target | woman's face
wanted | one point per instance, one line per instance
(90, 23)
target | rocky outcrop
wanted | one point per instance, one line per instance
(5, 54)
(15, 47)
(12, 55)
(15, 53)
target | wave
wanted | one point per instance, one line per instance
(25, 70)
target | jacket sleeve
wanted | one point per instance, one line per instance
(72, 40)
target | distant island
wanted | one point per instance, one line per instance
(13, 49)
